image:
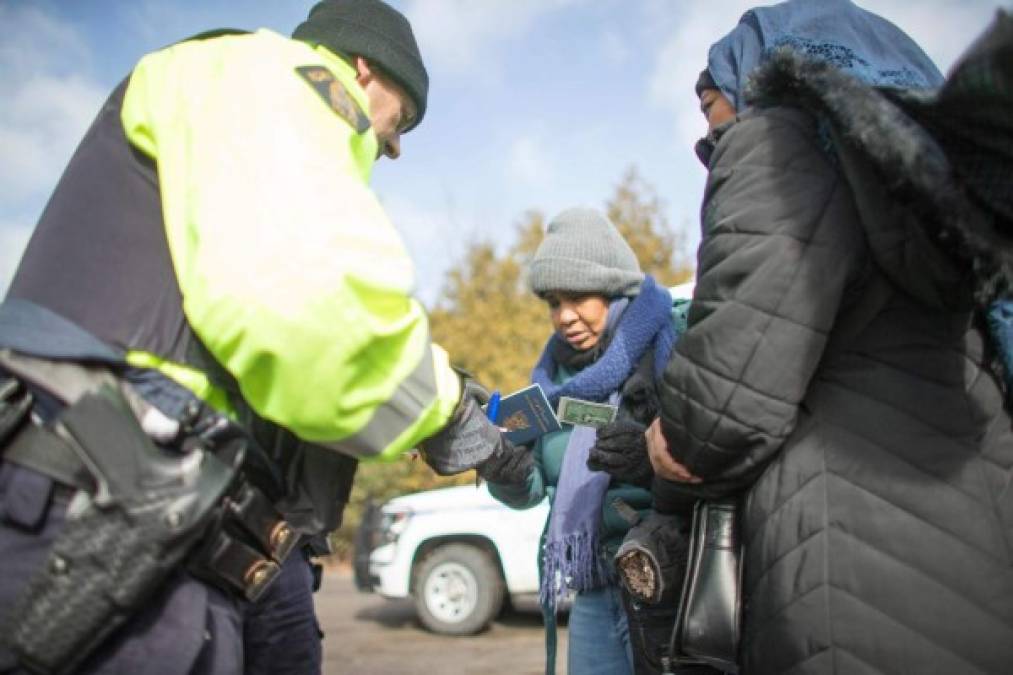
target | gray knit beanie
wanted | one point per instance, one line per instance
(583, 252)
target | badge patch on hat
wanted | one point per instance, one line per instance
(335, 95)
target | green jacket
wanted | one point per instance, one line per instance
(548, 454)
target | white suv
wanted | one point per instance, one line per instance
(457, 551)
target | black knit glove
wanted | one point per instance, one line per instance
(621, 451)
(469, 438)
(509, 464)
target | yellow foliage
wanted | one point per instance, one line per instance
(487, 320)
(380, 481)
(636, 211)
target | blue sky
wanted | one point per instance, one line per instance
(534, 104)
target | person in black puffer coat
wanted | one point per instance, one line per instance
(836, 369)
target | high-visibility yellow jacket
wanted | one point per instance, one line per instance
(219, 206)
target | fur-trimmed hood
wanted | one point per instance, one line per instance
(924, 231)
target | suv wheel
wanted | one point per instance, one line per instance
(458, 589)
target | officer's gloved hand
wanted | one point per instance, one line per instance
(621, 451)
(469, 438)
(509, 464)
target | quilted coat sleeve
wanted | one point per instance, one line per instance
(779, 247)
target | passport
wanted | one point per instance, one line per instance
(526, 415)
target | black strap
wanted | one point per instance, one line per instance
(206, 35)
(31, 329)
(214, 33)
(43, 451)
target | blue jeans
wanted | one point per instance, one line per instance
(599, 637)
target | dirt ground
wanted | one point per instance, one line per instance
(368, 635)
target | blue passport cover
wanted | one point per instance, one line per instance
(527, 415)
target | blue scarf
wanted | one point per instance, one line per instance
(1000, 326)
(570, 558)
(856, 41)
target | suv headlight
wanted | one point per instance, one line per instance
(392, 524)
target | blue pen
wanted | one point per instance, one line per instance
(492, 409)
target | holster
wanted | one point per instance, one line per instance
(148, 507)
(140, 510)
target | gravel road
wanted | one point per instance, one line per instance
(368, 635)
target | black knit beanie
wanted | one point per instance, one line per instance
(705, 81)
(377, 32)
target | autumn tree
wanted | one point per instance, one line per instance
(486, 318)
(377, 482)
(637, 213)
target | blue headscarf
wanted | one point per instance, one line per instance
(851, 38)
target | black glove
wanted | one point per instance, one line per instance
(621, 451)
(509, 464)
(468, 439)
(471, 389)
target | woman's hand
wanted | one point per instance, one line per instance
(621, 451)
(661, 459)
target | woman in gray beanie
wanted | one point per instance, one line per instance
(612, 326)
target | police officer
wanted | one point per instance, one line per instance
(210, 324)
